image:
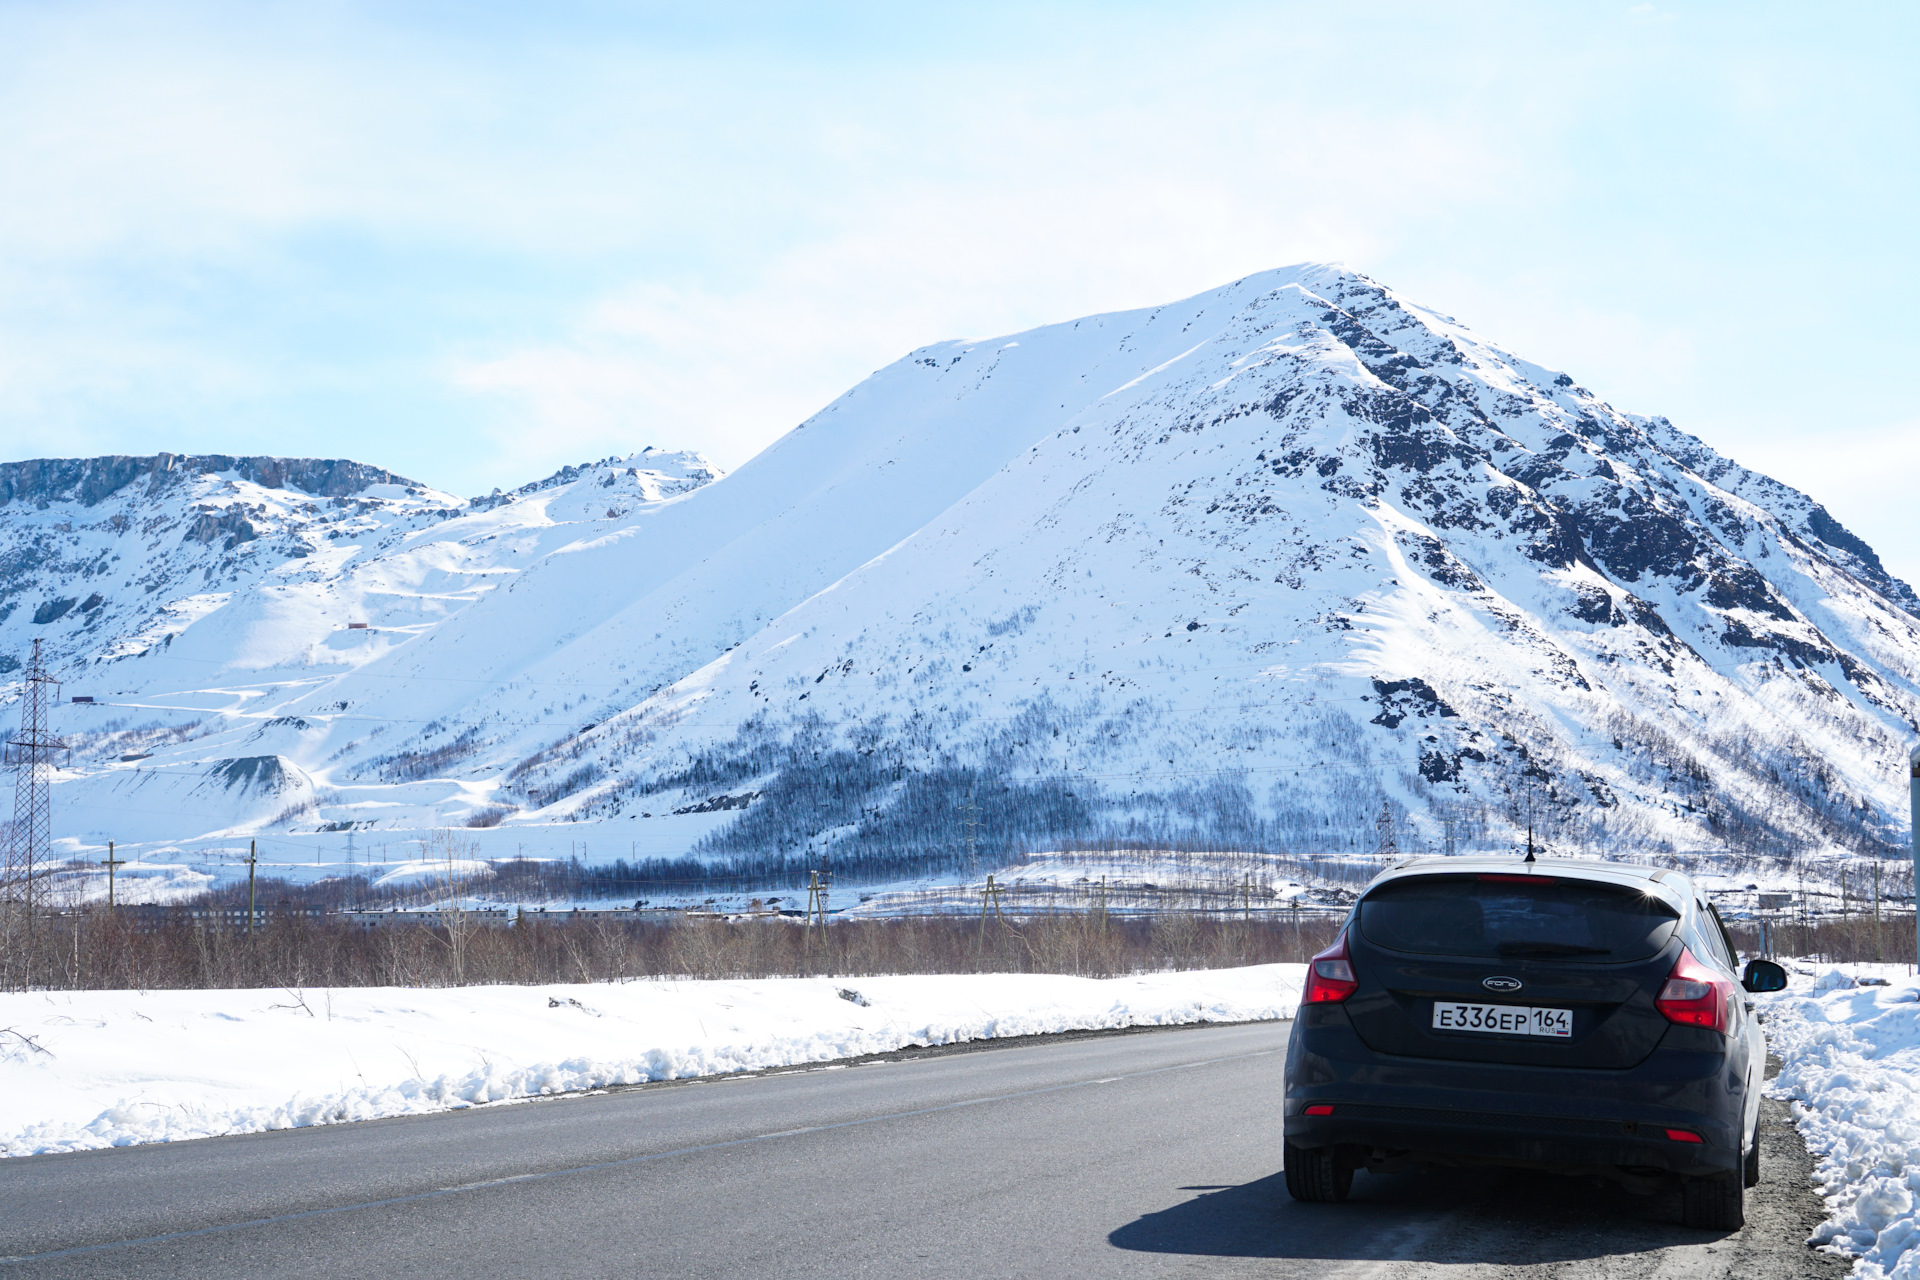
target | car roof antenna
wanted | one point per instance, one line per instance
(1529, 857)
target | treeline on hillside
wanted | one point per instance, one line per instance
(875, 797)
(537, 880)
(897, 794)
(681, 879)
(99, 949)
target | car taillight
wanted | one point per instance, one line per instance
(1330, 975)
(1696, 996)
(1683, 1135)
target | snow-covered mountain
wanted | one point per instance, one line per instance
(260, 563)
(1246, 568)
(179, 592)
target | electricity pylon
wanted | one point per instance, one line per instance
(31, 752)
(1387, 843)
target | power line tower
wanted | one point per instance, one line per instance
(816, 900)
(1387, 844)
(31, 752)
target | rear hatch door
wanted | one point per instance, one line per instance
(1591, 955)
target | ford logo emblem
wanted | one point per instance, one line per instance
(1501, 984)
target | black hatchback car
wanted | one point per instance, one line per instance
(1571, 1017)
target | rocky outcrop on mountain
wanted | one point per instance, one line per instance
(90, 481)
(667, 473)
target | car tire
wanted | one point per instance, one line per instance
(1714, 1204)
(1750, 1167)
(1318, 1175)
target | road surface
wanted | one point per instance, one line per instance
(1144, 1154)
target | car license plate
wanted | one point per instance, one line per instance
(1510, 1019)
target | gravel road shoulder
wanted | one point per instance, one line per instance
(1499, 1225)
(1578, 1231)
(1519, 1225)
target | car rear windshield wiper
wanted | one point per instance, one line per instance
(1550, 949)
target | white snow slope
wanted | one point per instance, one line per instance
(1241, 569)
(1851, 1054)
(88, 1069)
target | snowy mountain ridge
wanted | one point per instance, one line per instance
(1248, 568)
(92, 480)
(105, 559)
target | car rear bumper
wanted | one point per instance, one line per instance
(1461, 1112)
(1509, 1138)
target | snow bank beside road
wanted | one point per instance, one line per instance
(1851, 1057)
(87, 1069)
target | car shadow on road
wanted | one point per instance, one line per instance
(1496, 1216)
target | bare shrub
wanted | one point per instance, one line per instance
(1850, 939)
(94, 949)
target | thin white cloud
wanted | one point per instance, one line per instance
(269, 227)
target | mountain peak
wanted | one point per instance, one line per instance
(1241, 570)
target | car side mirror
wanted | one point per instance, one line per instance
(1764, 975)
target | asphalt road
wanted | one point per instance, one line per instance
(1148, 1154)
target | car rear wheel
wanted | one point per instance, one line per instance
(1714, 1204)
(1750, 1168)
(1318, 1174)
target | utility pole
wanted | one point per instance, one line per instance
(1805, 918)
(971, 824)
(112, 862)
(1913, 790)
(816, 907)
(989, 894)
(1846, 930)
(1876, 910)
(1766, 904)
(251, 859)
(31, 752)
(1246, 889)
(816, 900)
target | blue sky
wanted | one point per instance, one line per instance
(473, 243)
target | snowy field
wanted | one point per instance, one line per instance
(89, 1069)
(1851, 1050)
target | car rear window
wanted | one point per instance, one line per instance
(1508, 917)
